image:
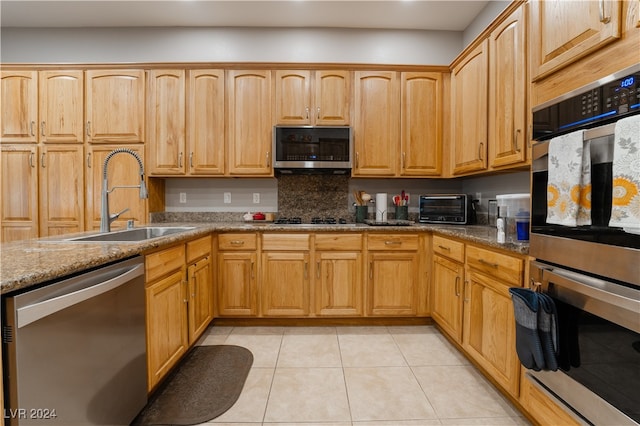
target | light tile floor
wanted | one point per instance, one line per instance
(358, 376)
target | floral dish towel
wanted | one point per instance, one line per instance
(625, 209)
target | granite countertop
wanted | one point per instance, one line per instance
(30, 262)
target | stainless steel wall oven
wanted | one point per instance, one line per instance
(592, 271)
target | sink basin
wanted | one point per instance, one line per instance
(133, 235)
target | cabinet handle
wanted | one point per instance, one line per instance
(42, 160)
(252, 274)
(186, 283)
(89, 128)
(444, 247)
(393, 243)
(515, 139)
(191, 159)
(457, 286)
(89, 160)
(42, 128)
(480, 146)
(487, 263)
(268, 165)
(465, 290)
(306, 110)
(31, 128)
(318, 269)
(318, 113)
(31, 159)
(306, 270)
(194, 286)
(603, 18)
(180, 159)
(530, 135)
(357, 159)
(404, 154)
(371, 270)
(236, 242)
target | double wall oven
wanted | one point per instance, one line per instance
(591, 271)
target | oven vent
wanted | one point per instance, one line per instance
(7, 334)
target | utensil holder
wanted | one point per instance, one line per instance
(361, 213)
(402, 212)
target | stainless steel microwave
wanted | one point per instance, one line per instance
(455, 209)
(307, 148)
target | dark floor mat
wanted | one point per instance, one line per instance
(206, 384)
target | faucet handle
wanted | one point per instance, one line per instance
(117, 215)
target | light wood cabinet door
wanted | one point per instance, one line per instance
(338, 283)
(61, 180)
(564, 31)
(200, 305)
(61, 106)
(167, 337)
(332, 97)
(508, 139)
(249, 122)
(284, 284)
(19, 114)
(489, 335)
(166, 122)
(115, 106)
(421, 131)
(19, 196)
(469, 80)
(123, 170)
(543, 406)
(376, 125)
(205, 122)
(392, 283)
(237, 292)
(293, 97)
(447, 283)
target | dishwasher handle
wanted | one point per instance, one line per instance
(31, 313)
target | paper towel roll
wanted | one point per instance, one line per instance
(381, 207)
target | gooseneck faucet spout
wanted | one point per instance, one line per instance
(105, 217)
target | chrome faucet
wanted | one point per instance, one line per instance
(105, 218)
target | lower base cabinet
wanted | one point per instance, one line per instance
(541, 407)
(236, 275)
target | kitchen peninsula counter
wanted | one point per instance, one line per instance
(30, 262)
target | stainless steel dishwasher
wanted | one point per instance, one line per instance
(75, 350)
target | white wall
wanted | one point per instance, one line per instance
(91, 45)
(482, 21)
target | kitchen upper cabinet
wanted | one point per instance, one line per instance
(564, 31)
(447, 285)
(123, 170)
(166, 122)
(236, 271)
(285, 275)
(376, 125)
(393, 276)
(249, 122)
(421, 132)
(338, 285)
(205, 122)
(19, 196)
(61, 181)
(508, 136)
(489, 324)
(19, 93)
(306, 97)
(469, 82)
(200, 287)
(61, 106)
(115, 106)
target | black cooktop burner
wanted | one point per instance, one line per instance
(314, 221)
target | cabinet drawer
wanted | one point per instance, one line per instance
(449, 248)
(392, 242)
(504, 267)
(338, 242)
(198, 248)
(285, 242)
(237, 242)
(164, 262)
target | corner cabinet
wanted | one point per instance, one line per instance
(563, 32)
(469, 87)
(376, 124)
(249, 122)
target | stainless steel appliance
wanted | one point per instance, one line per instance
(591, 271)
(307, 149)
(75, 350)
(455, 209)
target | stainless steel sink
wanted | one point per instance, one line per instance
(132, 235)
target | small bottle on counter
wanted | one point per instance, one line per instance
(500, 225)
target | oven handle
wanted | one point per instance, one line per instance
(616, 303)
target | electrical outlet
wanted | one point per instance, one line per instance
(256, 198)
(479, 197)
(227, 198)
(183, 197)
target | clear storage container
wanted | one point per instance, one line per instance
(515, 209)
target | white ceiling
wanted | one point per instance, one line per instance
(448, 15)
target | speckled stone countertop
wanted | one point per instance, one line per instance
(30, 262)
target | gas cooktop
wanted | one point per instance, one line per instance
(314, 221)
